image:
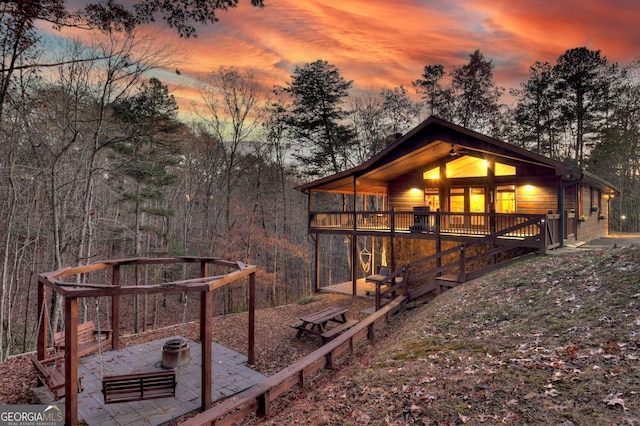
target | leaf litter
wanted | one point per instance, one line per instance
(550, 340)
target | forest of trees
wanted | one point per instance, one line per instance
(96, 163)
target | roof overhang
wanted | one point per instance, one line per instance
(432, 142)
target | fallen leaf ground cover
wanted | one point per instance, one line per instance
(551, 340)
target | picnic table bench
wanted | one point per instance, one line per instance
(316, 323)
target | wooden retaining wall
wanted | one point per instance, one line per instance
(257, 399)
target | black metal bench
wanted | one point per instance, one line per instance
(139, 386)
(379, 278)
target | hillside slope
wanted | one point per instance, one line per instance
(552, 340)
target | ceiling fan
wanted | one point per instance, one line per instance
(453, 152)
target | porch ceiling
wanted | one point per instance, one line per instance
(375, 180)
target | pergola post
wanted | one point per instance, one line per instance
(43, 331)
(206, 311)
(251, 358)
(71, 361)
(115, 309)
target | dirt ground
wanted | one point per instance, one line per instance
(616, 240)
(276, 342)
(552, 340)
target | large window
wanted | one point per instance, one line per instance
(505, 170)
(476, 200)
(432, 174)
(468, 166)
(506, 199)
(432, 198)
(456, 200)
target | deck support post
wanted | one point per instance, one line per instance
(561, 210)
(438, 240)
(317, 255)
(354, 270)
(492, 232)
(43, 331)
(393, 239)
(354, 240)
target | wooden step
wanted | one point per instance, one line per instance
(446, 281)
(416, 292)
(449, 278)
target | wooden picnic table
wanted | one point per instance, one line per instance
(316, 323)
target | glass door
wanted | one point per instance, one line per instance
(477, 204)
(456, 205)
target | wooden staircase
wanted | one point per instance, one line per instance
(414, 281)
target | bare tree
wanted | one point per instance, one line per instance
(234, 109)
(367, 116)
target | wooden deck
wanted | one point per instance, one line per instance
(347, 288)
(230, 376)
(531, 230)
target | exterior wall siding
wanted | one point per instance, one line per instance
(590, 226)
(404, 194)
(537, 197)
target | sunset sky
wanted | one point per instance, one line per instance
(387, 43)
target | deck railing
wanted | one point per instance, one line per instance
(475, 224)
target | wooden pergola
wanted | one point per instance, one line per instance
(72, 291)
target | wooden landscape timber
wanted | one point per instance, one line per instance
(257, 399)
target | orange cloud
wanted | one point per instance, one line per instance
(388, 43)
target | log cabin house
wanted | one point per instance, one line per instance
(441, 186)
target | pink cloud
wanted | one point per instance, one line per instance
(388, 43)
